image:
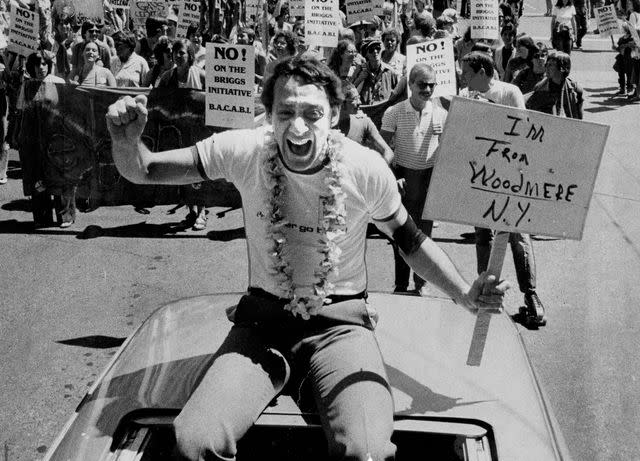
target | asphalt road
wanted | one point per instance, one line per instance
(69, 297)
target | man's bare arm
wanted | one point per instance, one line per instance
(126, 119)
(430, 262)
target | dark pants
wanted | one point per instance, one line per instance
(340, 362)
(416, 186)
(562, 40)
(581, 24)
(523, 258)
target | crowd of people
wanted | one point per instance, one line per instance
(370, 62)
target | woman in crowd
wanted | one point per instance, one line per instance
(186, 74)
(503, 53)
(557, 94)
(563, 25)
(530, 76)
(525, 49)
(163, 62)
(342, 61)
(391, 54)
(93, 74)
(39, 68)
(285, 45)
(128, 68)
(199, 51)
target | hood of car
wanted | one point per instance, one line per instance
(425, 344)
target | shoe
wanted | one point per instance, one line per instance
(534, 310)
(3, 180)
(65, 224)
(621, 92)
(436, 224)
(189, 220)
(597, 32)
(422, 291)
(201, 221)
(401, 290)
(633, 97)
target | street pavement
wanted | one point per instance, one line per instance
(70, 296)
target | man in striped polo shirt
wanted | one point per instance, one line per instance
(414, 126)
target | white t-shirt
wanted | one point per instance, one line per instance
(500, 92)
(563, 15)
(369, 184)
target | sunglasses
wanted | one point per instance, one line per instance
(425, 85)
(540, 56)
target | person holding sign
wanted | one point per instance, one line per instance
(308, 194)
(477, 72)
(413, 127)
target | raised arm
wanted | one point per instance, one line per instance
(430, 262)
(126, 119)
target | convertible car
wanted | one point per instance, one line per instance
(445, 409)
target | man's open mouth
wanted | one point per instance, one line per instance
(299, 148)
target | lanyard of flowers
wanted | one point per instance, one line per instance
(333, 223)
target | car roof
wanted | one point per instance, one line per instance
(424, 342)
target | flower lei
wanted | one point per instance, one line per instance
(333, 222)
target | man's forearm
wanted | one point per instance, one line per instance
(434, 265)
(131, 160)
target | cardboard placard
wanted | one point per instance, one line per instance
(23, 30)
(121, 4)
(92, 9)
(143, 9)
(230, 80)
(607, 20)
(188, 14)
(515, 170)
(321, 22)
(439, 55)
(296, 8)
(484, 19)
(359, 10)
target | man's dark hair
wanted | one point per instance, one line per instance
(309, 71)
(251, 34)
(426, 26)
(155, 24)
(563, 61)
(124, 38)
(184, 44)
(479, 60)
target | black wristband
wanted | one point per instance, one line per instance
(408, 237)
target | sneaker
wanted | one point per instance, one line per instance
(201, 221)
(621, 92)
(65, 224)
(422, 291)
(534, 309)
(3, 180)
(190, 219)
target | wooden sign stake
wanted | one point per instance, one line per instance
(481, 328)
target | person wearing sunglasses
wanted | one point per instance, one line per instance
(90, 34)
(413, 127)
(530, 76)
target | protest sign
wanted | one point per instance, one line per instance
(515, 170)
(296, 8)
(484, 21)
(23, 30)
(4, 29)
(92, 9)
(143, 9)
(359, 10)
(230, 80)
(607, 20)
(439, 55)
(188, 14)
(321, 22)
(121, 4)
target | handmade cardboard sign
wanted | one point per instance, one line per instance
(607, 20)
(92, 9)
(515, 170)
(484, 19)
(230, 75)
(321, 22)
(188, 14)
(296, 8)
(439, 55)
(23, 30)
(143, 9)
(363, 10)
(121, 4)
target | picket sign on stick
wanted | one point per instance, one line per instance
(483, 319)
(498, 168)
